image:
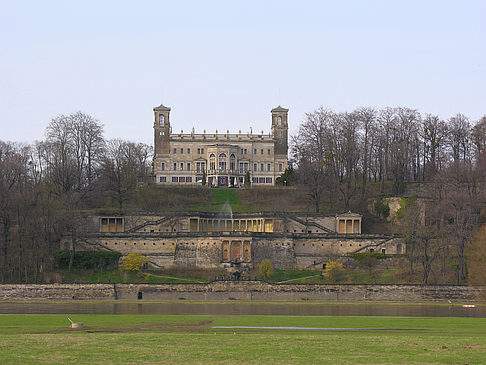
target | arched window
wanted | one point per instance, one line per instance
(279, 121)
(161, 119)
(212, 162)
(232, 162)
(222, 161)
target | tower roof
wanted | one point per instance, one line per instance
(279, 109)
(161, 107)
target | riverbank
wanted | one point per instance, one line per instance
(242, 291)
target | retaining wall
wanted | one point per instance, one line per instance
(243, 290)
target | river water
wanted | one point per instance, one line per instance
(239, 308)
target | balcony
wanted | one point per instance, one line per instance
(226, 172)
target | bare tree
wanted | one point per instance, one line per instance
(73, 152)
(479, 136)
(404, 136)
(434, 133)
(459, 137)
(367, 117)
(348, 152)
(124, 164)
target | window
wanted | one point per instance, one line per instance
(163, 179)
(261, 180)
(182, 179)
(222, 161)
(254, 180)
(269, 167)
(161, 119)
(245, 151)
(175, 150)
(162, 133)
(212, 162)
(280, 167)
(198, 151)
(175, 166)
(182, 166)
(111, 224)
(261, 151)
(188, 150)
(241, 166)
(174, 179)
(189, 179)
(268, 151)
(268, 180)
(198, 166)
(162, 166)
(279, 121)
(232, 162)
(202, 150)
(188, 166)
(255, 167)
(203, 166)
(261, 167)
(241, 151)
(182, 151)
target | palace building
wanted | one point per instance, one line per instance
(222, 159)
(220, 240)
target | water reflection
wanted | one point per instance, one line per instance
(236, 308)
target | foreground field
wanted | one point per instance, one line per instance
(152, 339)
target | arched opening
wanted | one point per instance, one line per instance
(279, 121)
(222, 161)
(232, 162)
(161, 119)
(212, 162)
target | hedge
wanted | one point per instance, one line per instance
(88, 259)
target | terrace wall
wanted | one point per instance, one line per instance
(243, 290)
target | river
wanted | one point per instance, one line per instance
(244, 308)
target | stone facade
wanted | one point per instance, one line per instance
(225, 158)
(245, 290)
(209, 240)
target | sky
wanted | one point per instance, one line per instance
(225, 64)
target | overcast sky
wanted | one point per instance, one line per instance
(225, 64)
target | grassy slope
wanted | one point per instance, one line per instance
(256, 199)
(197, 276)
(155, 339)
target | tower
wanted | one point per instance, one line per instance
(280, 130)
(161, 129)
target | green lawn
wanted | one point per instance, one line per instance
(232, 196)
(117, 276)
(153, 339)
(351, 276)
(225, 195)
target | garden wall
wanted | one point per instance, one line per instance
(242, 290)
